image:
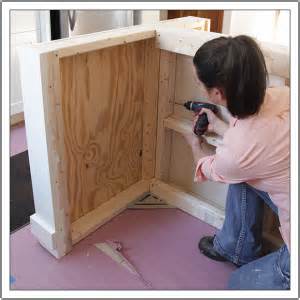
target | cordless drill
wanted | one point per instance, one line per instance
(202, 122)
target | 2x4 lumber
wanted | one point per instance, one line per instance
(188, 41)
(185, 126)
(199, 208)
(106, 211)
(50, 67)
(165, 109)
(184, 41)
(104, 39)
(95, 41)
(186, 22)
(151, 87)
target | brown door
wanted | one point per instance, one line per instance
(215, 16)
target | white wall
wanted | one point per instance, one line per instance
(25, 29)
(264, 25)
(149, 16)
(98, 20)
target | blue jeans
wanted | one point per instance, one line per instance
(240, 241)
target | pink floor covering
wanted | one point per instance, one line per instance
(161, 243)
(18, 141)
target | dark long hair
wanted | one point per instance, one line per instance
(237, 67)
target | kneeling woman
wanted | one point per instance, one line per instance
(253, 159)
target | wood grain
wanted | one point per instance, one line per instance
(182, 171)
(102, 104)
(165, 109)
(185, 127)
(181, 165)
(188, 88)
(16, 119)
(103, 213)
(187, 41)
(151, 85)
(50, 69)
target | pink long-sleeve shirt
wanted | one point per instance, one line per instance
(256, 150)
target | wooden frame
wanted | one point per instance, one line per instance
(215, 17)
(16, 119)
(101, 122)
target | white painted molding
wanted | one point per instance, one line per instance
(44, 233)
(36, 133)
(48, 206)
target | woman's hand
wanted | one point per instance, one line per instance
(215, 124)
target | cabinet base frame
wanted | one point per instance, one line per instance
(41, 69)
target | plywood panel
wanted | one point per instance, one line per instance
(187, 88)
(182, 167)
(151, 88)
(102, 103)
(186, 83)
(165, 109)
(182, 170)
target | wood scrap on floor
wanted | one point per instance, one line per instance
(113, 249)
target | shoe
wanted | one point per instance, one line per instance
(206, 246)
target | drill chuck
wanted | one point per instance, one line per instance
(196, 106)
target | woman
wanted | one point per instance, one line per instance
(253, 159)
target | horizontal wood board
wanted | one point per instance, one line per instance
(102, 105)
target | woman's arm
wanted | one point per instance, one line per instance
(223, 165)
